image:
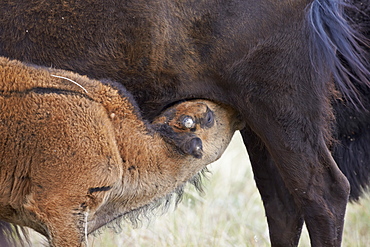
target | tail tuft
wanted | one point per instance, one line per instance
(337, 47)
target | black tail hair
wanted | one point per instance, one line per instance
(337, 47)
(343, 51)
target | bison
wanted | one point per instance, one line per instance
(76, 153)
(282, 65)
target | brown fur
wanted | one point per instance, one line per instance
(271, 60)
(71, 161)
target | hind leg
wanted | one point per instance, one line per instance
(280, 208)
(325, 205)
(295, 138)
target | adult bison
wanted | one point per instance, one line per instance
(76, 154)
(272, 61)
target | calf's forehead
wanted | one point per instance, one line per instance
(191, 108)
(198, 108)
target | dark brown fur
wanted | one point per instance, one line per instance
(72, 161)
(272, 61)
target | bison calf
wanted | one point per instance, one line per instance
(75, 153)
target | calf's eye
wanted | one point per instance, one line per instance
(188, 122)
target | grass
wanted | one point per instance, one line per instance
(230, 213)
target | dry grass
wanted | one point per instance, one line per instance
(230, 213)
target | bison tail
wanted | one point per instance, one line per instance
(340, 49)
(13, 236)
(336, 47)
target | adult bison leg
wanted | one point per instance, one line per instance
(281, 210)
(295, 137)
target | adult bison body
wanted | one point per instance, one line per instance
(72, 160)
(272, 61)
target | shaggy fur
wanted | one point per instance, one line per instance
(352, 129)
(75, 153)
(272, 61)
